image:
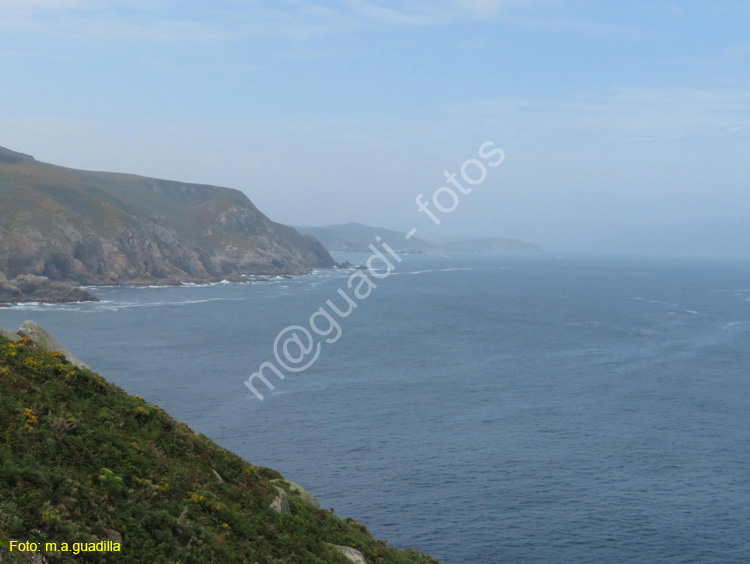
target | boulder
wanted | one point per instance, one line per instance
(47, 342)
(352, 554)
(304, 495)
(280, 503)
(9, 335)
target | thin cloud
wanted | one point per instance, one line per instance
(424, 15)
(485, 7)
(46, 5)
(625, 112)
(236, 19)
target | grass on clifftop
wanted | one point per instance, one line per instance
(82, 461)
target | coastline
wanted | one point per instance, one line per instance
(72, 293)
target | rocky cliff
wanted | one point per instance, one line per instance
(94, 228)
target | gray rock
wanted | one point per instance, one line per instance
(8, 291)
(9, 335)
(304, 495)
(352, 554)
(280, 503)
(31, 288)
(47, 342)
(218, 476)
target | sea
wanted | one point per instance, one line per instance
(483, 409)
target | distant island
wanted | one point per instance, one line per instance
(62, 228)
(355, 237)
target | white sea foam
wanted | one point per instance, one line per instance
(732, 291)
(464, 269)
(206, 285)
(669, 304)
(116, 306)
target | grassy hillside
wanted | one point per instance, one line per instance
(82, 461)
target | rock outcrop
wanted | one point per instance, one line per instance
(304, 496)
(47, 342)
(280, 503)
(32, 288)
(352, 554)
(5, 334)
(92, 228)
(42, 341)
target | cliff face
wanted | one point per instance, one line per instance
(96, 228)
(81, 461)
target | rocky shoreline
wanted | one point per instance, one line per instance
(40, 289)
(29, 288)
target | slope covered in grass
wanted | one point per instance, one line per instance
(82, 461)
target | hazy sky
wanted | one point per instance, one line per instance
(612, 114)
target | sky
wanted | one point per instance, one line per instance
(613, 116)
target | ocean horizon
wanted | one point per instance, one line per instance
(479, 407)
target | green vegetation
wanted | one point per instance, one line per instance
(82, 461)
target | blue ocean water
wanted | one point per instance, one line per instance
(481, 408)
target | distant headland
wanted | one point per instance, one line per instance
(355, 237)
(61, 229)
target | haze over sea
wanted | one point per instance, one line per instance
(482, 408)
